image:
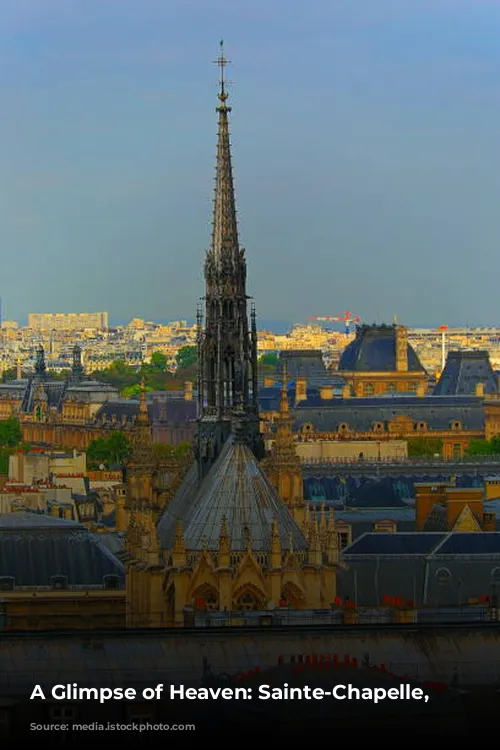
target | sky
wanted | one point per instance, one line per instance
(365, 152)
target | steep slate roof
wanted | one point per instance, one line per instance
(35, 547)
(463, 371)
(433, 569)
(438, 412)
(374, 350)
(473, 543)
(437, 519)
(398, 543)
(237, 490)
(307, 364)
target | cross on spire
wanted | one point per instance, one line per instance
(222, 62)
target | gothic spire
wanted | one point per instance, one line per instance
(77, 366)
(227, 342)
(224, 230)
(40, 366)
(142, 437)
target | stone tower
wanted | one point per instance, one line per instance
(227, 341)
(141, 464)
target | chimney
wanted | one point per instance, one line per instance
(269, 382)
(301, 389)
(401, 348)
(346, 391)
(326, 392)
(188, 390)
(480, 389)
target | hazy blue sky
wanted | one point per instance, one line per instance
(365, 141)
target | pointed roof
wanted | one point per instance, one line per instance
(235, 490)
(463, 371)
(142, 436)
(225, 229)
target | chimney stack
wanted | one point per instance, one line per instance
(301, 389)
(401, 348)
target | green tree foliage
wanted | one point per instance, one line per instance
(484, 447)
(187, 356)
(127, 379)
(270, 359)
(109, 451)
(159, 361)
(10, 439)
(133, 391)
(424, 446)
(10, 433)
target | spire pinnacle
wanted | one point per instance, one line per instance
(222, 62)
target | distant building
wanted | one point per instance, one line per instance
(421, 569)
(467, 373)
(57, 575)
(380, 360)
(67, 321)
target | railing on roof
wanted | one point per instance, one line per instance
(412, 460)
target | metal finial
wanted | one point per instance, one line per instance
(222, 62)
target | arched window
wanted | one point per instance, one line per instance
(443, 575)
(111, 582)
(248, 600)
(59, 582)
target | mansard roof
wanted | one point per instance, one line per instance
(463, 371)
(34, 548)
(360, 414)
(307, 364)
(374, 350)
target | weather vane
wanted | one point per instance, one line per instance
(222, 62)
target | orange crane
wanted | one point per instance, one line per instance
(347, 318)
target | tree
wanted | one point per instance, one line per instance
(186, 357)
(110, 451)
(484, 447)
(424, 446)
(133, 391)
(159, 361)
(10, 433)
(269, 359)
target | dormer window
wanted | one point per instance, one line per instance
(420, 426)
(456, 426)
(378, 427)
(343, 427)
(7, 583)
(111, 582)
(308, 427)
(59, 582)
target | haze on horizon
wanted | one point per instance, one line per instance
(365, 153)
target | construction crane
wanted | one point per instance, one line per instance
(347, 318)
